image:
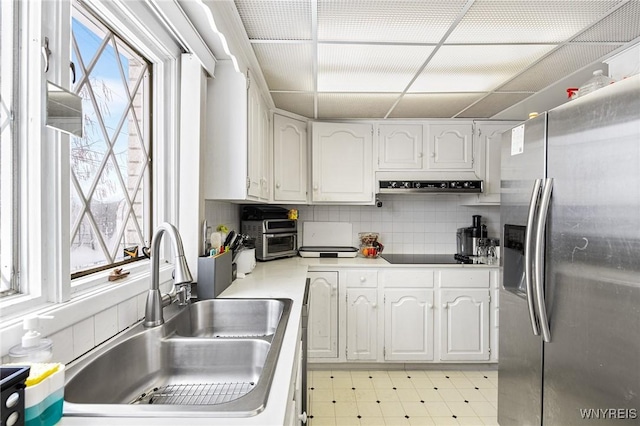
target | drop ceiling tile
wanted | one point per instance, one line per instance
(475, 68)
(286, 66)
(527, 21)
(560, 63)
(368, 68)
(276, 19)
(623, 25)
(493, 104)
(433, 105)
(354, 105)
(416, 21)
(298, 103)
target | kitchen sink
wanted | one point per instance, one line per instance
(213, 358)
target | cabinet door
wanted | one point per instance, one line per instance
(362, 324)
(408, 325)
(342, 162)
(400, 146)
(464, 325)
(322, 333)
(266, 158)
(289, 159)
(490, 137)
(450, 146)
(254, 144)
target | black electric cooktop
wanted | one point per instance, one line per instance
(428, 259)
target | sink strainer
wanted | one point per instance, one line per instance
(195, 394)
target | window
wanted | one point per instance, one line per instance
(8, 151)
(110, 190)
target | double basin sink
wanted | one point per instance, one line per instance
(212, 358)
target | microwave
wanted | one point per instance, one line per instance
(275, 238)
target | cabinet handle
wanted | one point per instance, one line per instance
(433, 154)
(278, 185)
(420, 155)
(303, 417)
(362, 279)
(374, 305)
(445, 306)
(315, 187)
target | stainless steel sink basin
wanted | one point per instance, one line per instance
(201, 362)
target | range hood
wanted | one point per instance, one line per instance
(428, 183)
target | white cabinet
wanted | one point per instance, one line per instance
(322, 333)
(489, 136)
(236, 155)
(400, 146)
(289, 159)
(408, 322)
(362, 324)
(450, 147)
(342, 163)
(464, 325)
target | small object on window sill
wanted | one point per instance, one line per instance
(118, 274)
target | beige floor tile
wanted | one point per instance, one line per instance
(372, 421)
(321, 374)
(473, 394)
(369, 409)
(322, 409)
(379, 374)
(382, 382)
(482, 382)
(342, 383)
(421, 421)
(410, 395)
(391, 409)
(344, 395)
(461, 409)
(416, 409)
(438, 409)
(430, 395)
(434, 373)
(360, 383)
(416, 374)
(422, 383)
(470, 421)
(494, 381)
(365, 395)
(489, 421)
(461, 382)
(347, 421)
(321, 395)
(322, 383)
(490, 394)
(341, 374)
(346, 409)
(396, 421)
(322, 421)
(442, 383)
(387, 395)
(492, 374)
(360, 374)
(402, 382)
(453, 373)
(474, 374)
(453, 395)
(397, 373)
(444, 420)
(483, 409)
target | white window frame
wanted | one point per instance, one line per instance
(45, 247)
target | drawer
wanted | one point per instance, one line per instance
(468, 277)
(362, 278)
(416, 277)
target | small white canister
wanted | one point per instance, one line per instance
(246, 260)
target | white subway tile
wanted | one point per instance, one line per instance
(106, 324)
(127, 313)
(83, 337)
(63, 345)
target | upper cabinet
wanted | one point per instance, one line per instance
(342, 163)
(400, 147)
(289, 160)
(489, 135)
(450, 147)
(237, 162)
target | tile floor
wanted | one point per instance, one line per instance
(402, 397)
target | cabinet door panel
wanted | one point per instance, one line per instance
(289, 159)
(254, 143)
(400, 146)
(451, 146)
(323, 315)
(408, 325)
(362, 324)
(464, 325)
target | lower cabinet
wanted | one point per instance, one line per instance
(408, 324)
(322, 340)
(464, 325)
(362, 324)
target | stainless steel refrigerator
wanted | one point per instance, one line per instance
(570, 289)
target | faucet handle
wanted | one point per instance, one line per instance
(183, 294)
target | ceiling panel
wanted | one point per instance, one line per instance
(415, 21)
(524, 21)
(476, 68)
(298, 103)
(433, 105)
(286, 66)
(562, 62)
(354, 105)
(493, 104)
(368, 68)
(276, 19)
(623, 25)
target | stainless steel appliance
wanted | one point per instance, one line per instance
(327, 239)
(305, 325)
(468, 239)
(429, 186)
(570, 293)
(275, 238)
(429, 259)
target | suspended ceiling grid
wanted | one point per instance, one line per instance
(340, 59)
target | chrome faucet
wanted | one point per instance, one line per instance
(156, 301)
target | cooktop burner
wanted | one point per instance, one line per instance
(428, 259)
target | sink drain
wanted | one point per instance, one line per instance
(195, 394)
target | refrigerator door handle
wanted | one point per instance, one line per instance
(528, 254)
(539, 258)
